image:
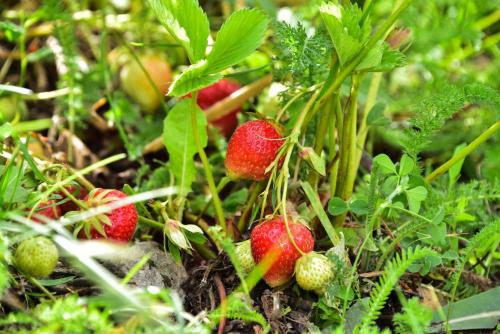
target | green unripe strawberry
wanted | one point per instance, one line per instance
(244, 254)
(313, 271)
(37, 257)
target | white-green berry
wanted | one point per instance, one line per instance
(244, 254)
(313, 272)
(37, 257)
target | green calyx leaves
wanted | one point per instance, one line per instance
(240, 35)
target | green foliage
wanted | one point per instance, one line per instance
(347, 29)
(180, 143)
(431, 113)
(237, 308)
(393, 271)
(65, 315)
(303, 57)
(430, 116)
(490, 233)
(186, 22)
(239, 36)
(415, 317)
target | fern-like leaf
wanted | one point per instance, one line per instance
(414, 319)
(394, 270)
(238, 309)
(488, 234)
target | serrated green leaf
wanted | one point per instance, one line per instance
(337, 206)
(193, 78)
(241, 34)
(376, 115)
(406, 165)
(385, 163)
(345, 45)
(372, 59)
(179, 141)
(390, 60)
(186, 22)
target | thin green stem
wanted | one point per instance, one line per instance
(335, 124)
(35, 125)
(284, 175)
(254, 194)
(208, 170)
(39, 285)
(463, 153)
(222, 183)
(363, 128)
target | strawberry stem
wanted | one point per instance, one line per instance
(254, 194)
(206, 166)
(346, 172)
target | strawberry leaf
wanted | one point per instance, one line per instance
(240, 35)
(193, 78)
(179, 141)
(186, 22)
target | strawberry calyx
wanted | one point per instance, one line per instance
(96, 198)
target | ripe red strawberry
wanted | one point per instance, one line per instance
(118, 225)
(252, 148)
(47, 209)
(211, 95)
(77, 192)
(271, 239)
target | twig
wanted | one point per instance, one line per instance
(223, 305)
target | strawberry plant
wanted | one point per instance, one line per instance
(249, 166)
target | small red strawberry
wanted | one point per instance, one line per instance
(271, 239)
(252, 148)
(47, 209)
(210, 95)
(78, 192)
(117, 225)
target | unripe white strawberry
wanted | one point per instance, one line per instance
(244, 254)
(313, 271)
